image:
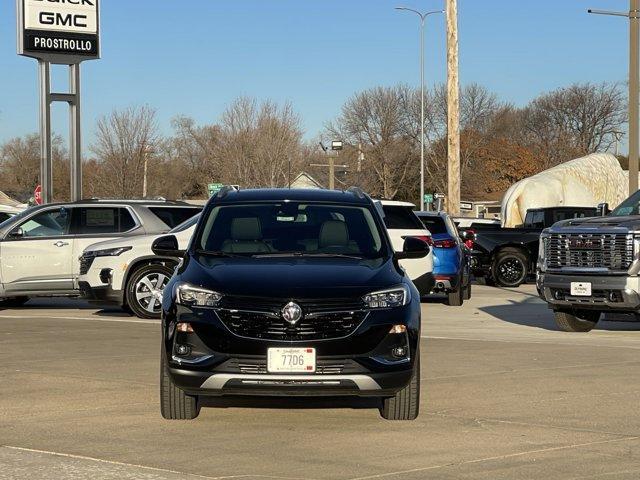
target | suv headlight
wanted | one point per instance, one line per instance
(392, 297)
(108, 252)
(196, 297)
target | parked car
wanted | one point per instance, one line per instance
(402, 223)
(506, 256)
(7, 211)
(450, 258)
(39, 248)
(125, 272)
(290, 292)
(591, 266)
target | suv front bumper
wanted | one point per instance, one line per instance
(220, 362)
(555, 289)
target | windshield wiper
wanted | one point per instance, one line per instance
(308, 255)
(218, 253)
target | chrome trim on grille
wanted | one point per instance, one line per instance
(589, 252)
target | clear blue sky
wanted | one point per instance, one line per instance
(193, 57)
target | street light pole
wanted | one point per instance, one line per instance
(423, 17)
(634, 86)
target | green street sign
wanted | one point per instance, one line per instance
(428, 198)
(214, 188)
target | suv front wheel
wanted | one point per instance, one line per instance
(405, 405)
(174, 403)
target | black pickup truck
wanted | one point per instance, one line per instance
(506, 256)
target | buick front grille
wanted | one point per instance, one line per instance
(610, 251)
(263, 319)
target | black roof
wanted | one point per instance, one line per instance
(295, 194)
(563, 207)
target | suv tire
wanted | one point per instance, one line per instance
(174, 403)
(467, 291)
(153, 273)
(405, 405)
(579, 321)
(455, 299)
(510, 267)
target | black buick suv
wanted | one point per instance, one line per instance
(290, 292)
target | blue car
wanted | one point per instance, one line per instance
(450, 258)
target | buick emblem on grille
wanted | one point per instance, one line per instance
(292, 313)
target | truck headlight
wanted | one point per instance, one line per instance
(196, 297)
(108, 252)
(542, 253)
(392, 297)
(636, 247)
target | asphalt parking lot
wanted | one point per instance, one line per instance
(504, 396)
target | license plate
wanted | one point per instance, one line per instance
(291, 360)
(581, 289)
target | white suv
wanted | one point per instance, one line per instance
(402, 222)
(125, 272)
(39, 248)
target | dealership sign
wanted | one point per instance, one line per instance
(59, 31)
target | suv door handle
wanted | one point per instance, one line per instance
(60, 244)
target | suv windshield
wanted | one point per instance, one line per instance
(630, 206)
(290, 228)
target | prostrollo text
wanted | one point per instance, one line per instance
(63, 44)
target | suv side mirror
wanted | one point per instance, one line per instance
(603, 209)
(413, 248)
(167, 246)
(16, 233)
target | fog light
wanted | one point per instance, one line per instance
(184, 328)
(399, 352)
(398, 329)
(558, 295)
(183, 350)
(614, 297)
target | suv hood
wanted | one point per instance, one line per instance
(291, 277)
(132, 241)
(631, 222)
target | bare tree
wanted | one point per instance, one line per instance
(20, 167)
(123, 139)
(376, 123)
(259, 139)
(574, 121)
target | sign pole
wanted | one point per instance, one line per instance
(75, 139)
(46, 160)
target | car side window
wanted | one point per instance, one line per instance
(103, 220)
(50, 223)
(401, 218)
(174, 216)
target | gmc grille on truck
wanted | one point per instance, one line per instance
(590, 250)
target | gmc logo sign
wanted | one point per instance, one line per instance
(585, 243)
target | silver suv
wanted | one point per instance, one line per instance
(40, 247)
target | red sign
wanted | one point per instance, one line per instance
(37, 195)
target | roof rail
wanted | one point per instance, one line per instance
(225, 190)
(357, 191)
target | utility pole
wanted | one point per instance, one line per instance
(634, 86)
(146, 150)
(453, 110)
(336, 146)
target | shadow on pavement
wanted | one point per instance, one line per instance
(533, 312)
